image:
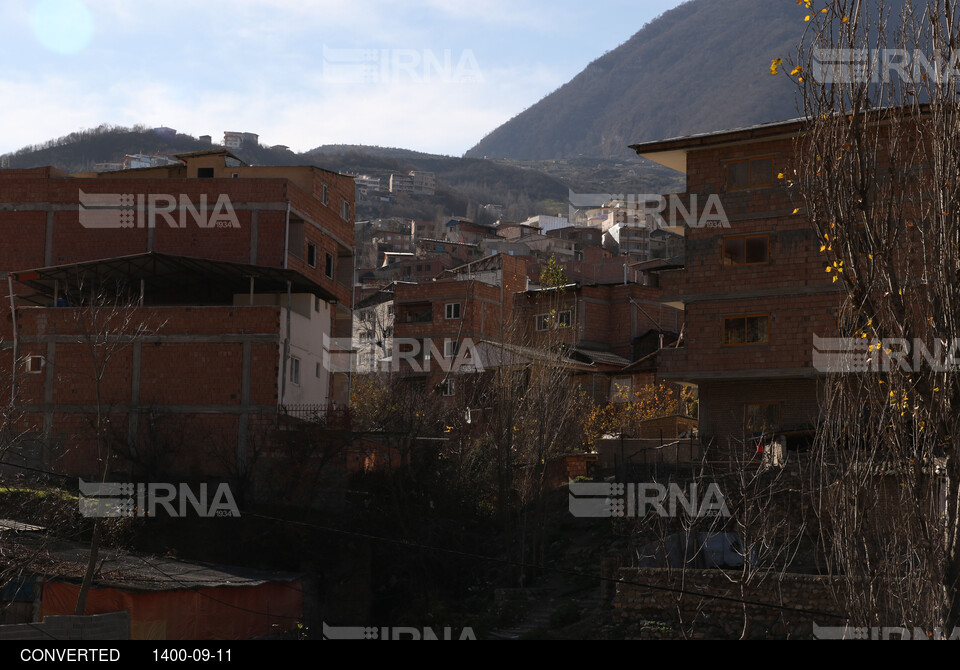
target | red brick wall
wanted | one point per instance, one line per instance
(604, 317)
(198, 377)
(792, 288)
(25, 190)
(722, 407)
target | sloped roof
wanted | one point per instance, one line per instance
(600, 357)
(66, 560)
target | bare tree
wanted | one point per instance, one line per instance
(533, 411)
(104, 321)
(878, 175)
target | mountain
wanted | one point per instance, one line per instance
(80, 151)
(464, 184)
(702, 66)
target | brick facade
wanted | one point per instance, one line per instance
(755, 292)
(199, 363)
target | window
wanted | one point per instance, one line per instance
(205, 173)
(319, 371)
(328, 265)
(748, 329)
(746, 250)
(419, 313)
(344, 210)
(555, 320)
(325, 194)
(311, 254)
(449, 388)
(452, 310)
(34, 364)
(761, 417)
(750, 173)
(450, 348)
(621, 389)
(295, 370)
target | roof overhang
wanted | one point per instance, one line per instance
(672, 153)
(165, 271)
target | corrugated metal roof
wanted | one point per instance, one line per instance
(9, 525)
(164, 271)
(65, 560)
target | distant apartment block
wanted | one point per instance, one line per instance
(236, 140)
(583, 237)
(135, 162)
(547, 223)
(467, 231)
(373, 331)
(418, 183)
(628, 239)
(367, 186)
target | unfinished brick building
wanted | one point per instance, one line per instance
(599, 329)
(473, 302)
(754, 293)
(220, 282)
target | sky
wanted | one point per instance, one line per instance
(428, 75)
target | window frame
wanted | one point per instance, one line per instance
(329, 270)
(744, 317)
(763, 429)
(34, 364)
(447, 311)
(748, 161)
(553, 320)
(295, 370)
(312, 254)
(731, 238)
(451, 348)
